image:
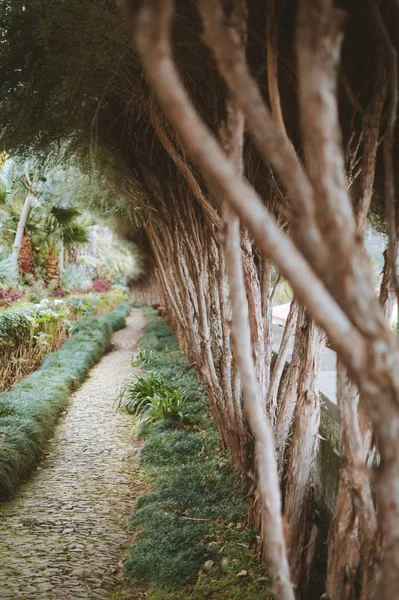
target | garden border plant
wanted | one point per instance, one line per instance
(30, 331)
(30, 409)
(190, 541)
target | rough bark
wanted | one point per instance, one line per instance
(281, 360)
(390, 200)
(288, 395)
(354, 542)
(265, 462)
(267, 476)
(387, 292)
(319, 38)
(53, 277)
(303, 451)
(369, 349)
(25, 261)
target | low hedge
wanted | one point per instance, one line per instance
(16, 322)
(30, 331)
(30, 409)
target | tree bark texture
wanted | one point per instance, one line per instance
(326, 266)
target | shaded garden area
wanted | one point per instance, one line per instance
(240, 146)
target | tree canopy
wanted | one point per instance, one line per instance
(69, 71)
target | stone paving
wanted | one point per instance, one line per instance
(63, 536)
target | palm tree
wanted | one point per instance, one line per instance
(63, 228)
(19, 189)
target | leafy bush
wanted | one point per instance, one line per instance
(96, 303)
(29, 411)
(10, 295)
(58, 293)
(75, 277)
(154, 399)
(30, 332)
(101, 285)
(37, 290)
(137, 393)
(193, 511)
(169, 408)
(8, 271)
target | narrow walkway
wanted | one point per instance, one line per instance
(62, 537)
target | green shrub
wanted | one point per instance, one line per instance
(29, 332)
(137, 393)
(8, 271)
(29, 411)
(154, 399)
(169, 408)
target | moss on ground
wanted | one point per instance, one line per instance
(190, 542)
(30, 409)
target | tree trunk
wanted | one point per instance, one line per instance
(23, 218)
(254, 406)
(281, 358)
(53, 269)
(267, 476)
(355, 539)
(341, 296)
(25, 262)
(387, 291)
(61, 256)
(303, 450)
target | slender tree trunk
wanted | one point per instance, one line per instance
(387, 291)
(281, 358)
(23, 218)
(355, 540)
(265, 462)
(61, 256)
(288, 394)
(303, 450)
(267, 476)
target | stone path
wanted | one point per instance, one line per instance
(63, 536)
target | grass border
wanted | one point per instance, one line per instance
(189, 539)
(30, 409)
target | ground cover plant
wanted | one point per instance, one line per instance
(30, 331)
(30, 409)
(190, 538)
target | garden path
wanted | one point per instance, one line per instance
(63, 536)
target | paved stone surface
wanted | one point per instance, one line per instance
(63, 536)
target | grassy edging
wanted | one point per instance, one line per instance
(190, 542)
(30, 409)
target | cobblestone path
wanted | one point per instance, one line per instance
(62, 537)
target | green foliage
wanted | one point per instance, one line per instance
(169, 408)
(30, 326)
(7, 270)
(64, 224)
(193, 512)
(29, 411)
(75, 277)
(81, 305)
(153, 399)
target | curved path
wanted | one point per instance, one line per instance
(62, 537)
